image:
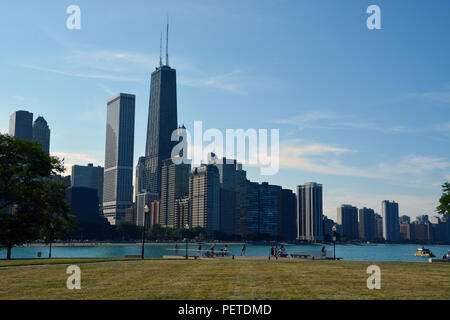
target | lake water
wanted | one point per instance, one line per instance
(380, 252)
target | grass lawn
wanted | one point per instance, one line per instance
(222, 279)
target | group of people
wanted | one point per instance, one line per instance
(276, 252)
(446, 256)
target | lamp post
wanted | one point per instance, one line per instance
(52, 230)
(143, 231)
(186, 240)
(334, 247)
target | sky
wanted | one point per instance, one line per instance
(366, 113)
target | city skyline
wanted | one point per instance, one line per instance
(358, 161)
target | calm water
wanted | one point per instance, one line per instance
(381, 252)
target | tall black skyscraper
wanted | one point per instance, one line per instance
(162, 121)
(41, 133)
(21, 125)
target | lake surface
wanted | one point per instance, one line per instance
(380, 252)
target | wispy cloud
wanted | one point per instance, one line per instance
(325, 159)
(439, 96)
(106, 89)
(233, 82)
(414, 164)
(326, 120)
(71, 159)
(300, 156)
(84, 75)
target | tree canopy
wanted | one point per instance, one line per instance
(444, 207)
(30, 202)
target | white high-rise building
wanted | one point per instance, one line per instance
(118, 179)
(309, 212)
(204, 194)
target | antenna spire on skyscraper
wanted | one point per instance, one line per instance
(167, 42)
(160, 50)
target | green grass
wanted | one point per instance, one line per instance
(223, 279)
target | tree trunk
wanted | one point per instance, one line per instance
(8, 254)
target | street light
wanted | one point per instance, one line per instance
(186, 240)
(52, 230)
(143, 231)
(334, 246)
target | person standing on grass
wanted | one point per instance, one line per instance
(199, 250)
(176, 249)
(212, 250)
(243, 250)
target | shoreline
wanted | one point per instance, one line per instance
(229, 243)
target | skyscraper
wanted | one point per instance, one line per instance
(391, 227)
(366, 224)
(309, 212)
(288, 218)
(269, 209)
(227, 177)
(118, 181)
(247, 208)
(162, 121)
(174, 186)
(139, 177)
(21, 125)
(41, 133)
(347, 216)
(204, 195)
(90, 177)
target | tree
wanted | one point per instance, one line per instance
(29, 200)
(444, 207)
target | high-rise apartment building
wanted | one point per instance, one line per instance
(367, 225)
(41, 133)
(288, 217)
(391, 227)
(269, 209)
(118, 179)
(247, 208)
(309, 212)
(89, 177)
(230, 174)
(347, 216)
(21, 125)
(378, 226)
(182, 218)
(174, 186)
(204, 196)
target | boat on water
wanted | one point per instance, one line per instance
(424, 252)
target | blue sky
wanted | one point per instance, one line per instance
(364, 112)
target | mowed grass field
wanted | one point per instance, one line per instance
(223, 279)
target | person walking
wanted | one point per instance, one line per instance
(243, 249)
(212, 251)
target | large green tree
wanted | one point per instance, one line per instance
(29, 200)
(444, 207)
